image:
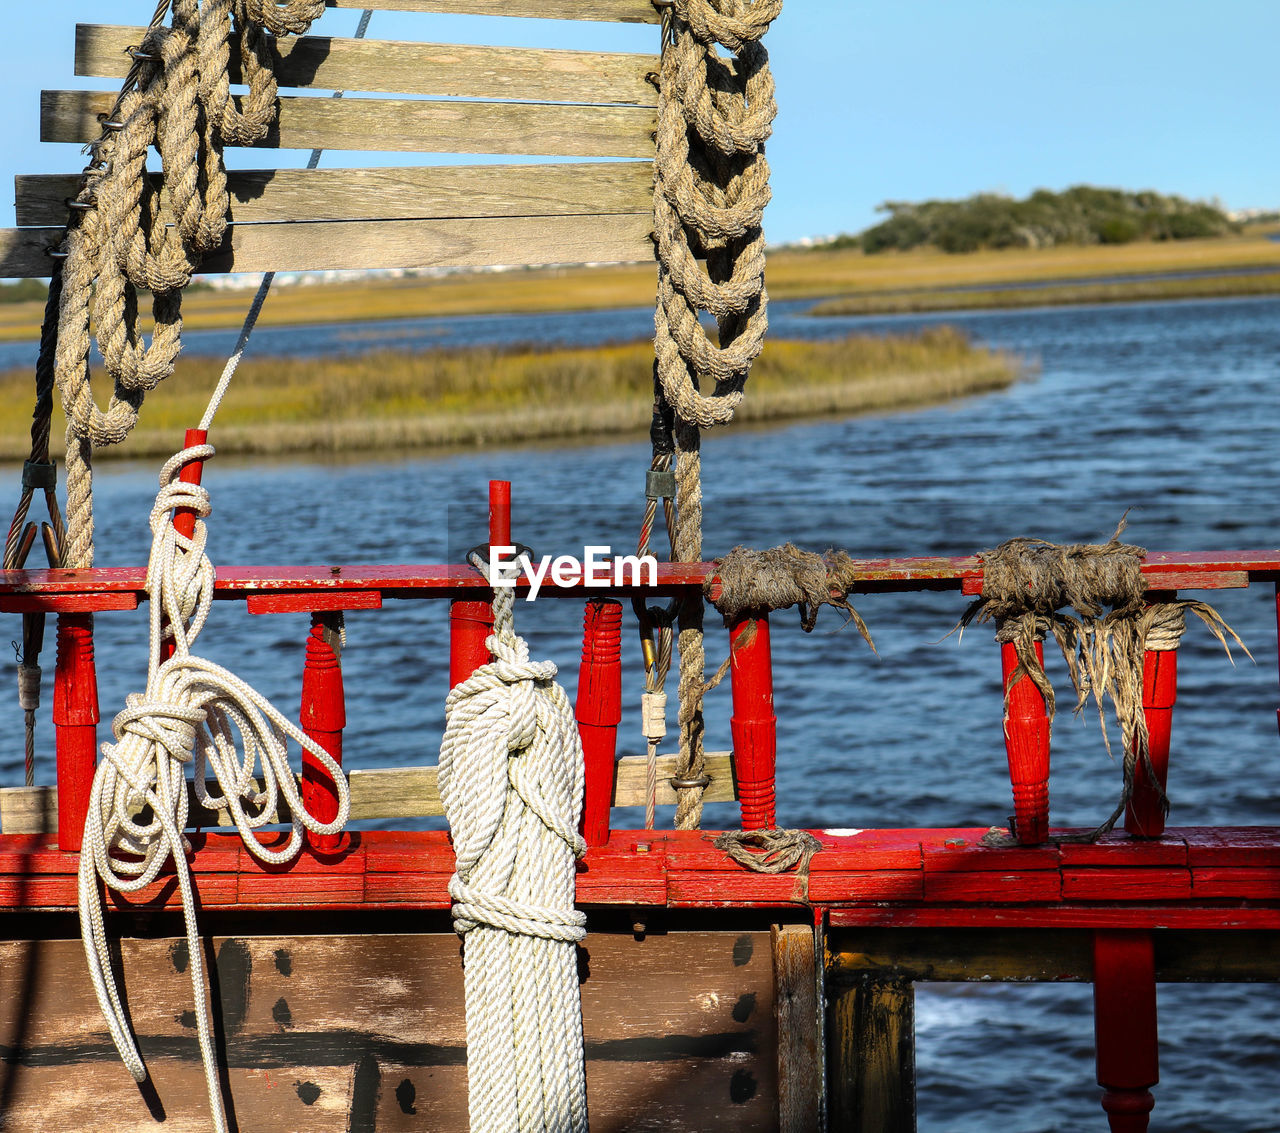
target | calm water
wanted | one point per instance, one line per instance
(1166, 409)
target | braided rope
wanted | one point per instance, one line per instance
(711, 187)
(131, 235)
(190, 712)
(511, 781)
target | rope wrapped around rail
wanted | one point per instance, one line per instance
(511, 780)
(1028, 585)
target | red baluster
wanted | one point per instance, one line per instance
(323, 716)
(75, 719)
(471, 622)
(1144, 816)
(599, 711)
(1026, 742)
(1124, 1013)
(184, 519)
(754, 726)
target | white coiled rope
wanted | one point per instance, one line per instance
(511, 779)
(190, 712)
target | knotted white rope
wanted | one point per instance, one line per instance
(511, 780)
(190, 712)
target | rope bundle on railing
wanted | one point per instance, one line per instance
(190, 712)
(712, 184)
(511, 781)
(131, 235)
(1027, 584)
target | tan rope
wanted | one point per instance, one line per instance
(1026, 585)
(712, 184)
(770, 851)
(133, 236)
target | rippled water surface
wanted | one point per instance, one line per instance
(1166, 409)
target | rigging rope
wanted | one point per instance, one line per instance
(511, 781)
(712, 184)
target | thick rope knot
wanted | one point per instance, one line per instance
(1027, 587)
(781, 577)
(769, 851)
(169, 727)
(511, 780)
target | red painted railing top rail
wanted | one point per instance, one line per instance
(120, 587)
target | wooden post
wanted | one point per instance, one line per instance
(471, 622)
(1144, 816)
(323, 716)
(1026, 741)
(1124, 1013)
(75, 721)
(871, 1056)
(795, 988)
(599, 711)
(753, 724)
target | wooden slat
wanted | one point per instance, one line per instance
(415, 193)
(800, 1054)
(396, 124)
(397, 792)
(440, 70)
(23, 251)
(359, 245)
(610, 11)
(325, 246)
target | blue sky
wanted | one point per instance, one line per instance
(884, 100)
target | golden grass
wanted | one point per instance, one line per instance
(1216, 287)
(792, 275)
(468, 397)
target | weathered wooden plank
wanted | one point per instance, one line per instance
(415, 193)
(439, 70)
(362, 1032)
(871, 1056)
(24, 252)
(397, 124)
(610, 11)
(800, 1054)
(323, 246)
(396, 792)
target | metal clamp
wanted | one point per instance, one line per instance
(39, 474)
(703, 780)
(659, 485)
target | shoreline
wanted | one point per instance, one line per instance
(525, 397)
(818, 274)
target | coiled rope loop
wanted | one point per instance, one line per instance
(511, 780)
(190, 712)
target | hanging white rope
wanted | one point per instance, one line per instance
(511, 779)
(191, 712)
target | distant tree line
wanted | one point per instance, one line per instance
(1079, 215)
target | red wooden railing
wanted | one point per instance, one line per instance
(1122, 888)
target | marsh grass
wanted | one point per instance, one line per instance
(389, 400)
(1074, 294)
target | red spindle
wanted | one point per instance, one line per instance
(499, 513)
(184, 519)
(471, 622)
(323, 715)
(1026, 742)
(599, 711)
(1144, 816)
(753, 724)
(75, 719)
(1124, 1013)
(1278, 637)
